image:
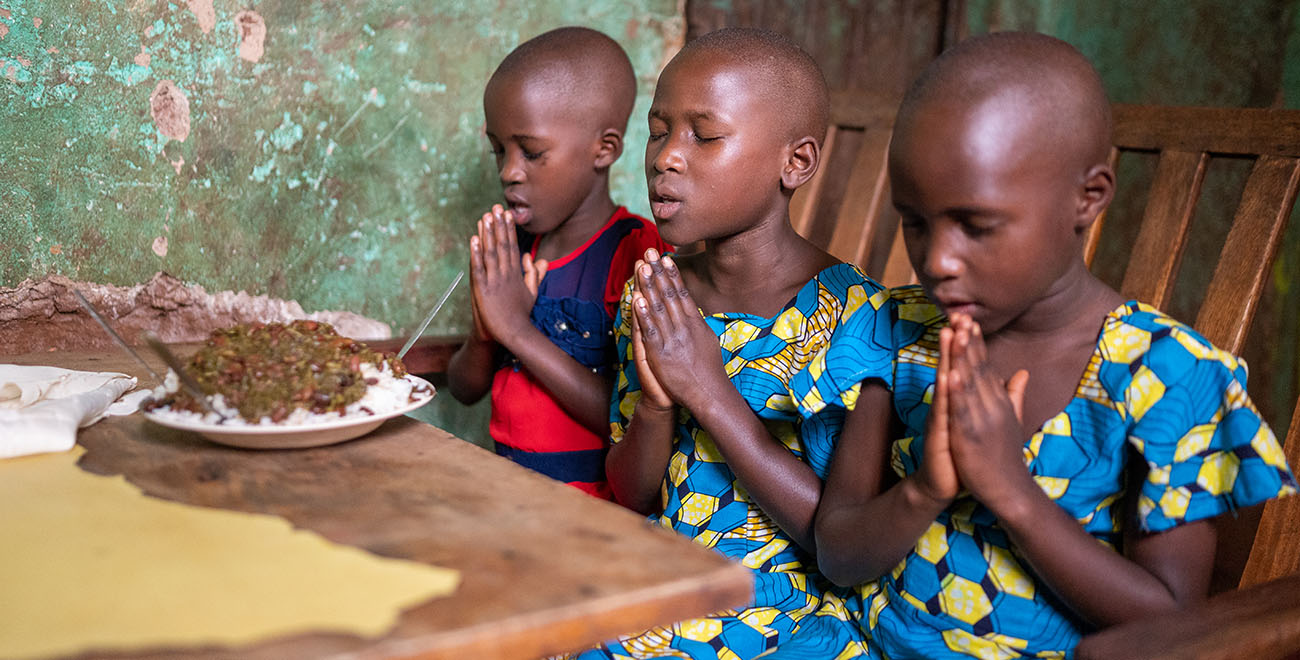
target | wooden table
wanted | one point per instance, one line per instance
(545, 569)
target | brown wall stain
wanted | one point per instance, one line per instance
(203, 11)
(170, 110)
(252, 34)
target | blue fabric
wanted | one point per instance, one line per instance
(587, 465)
(1153, 387)
(794, 607)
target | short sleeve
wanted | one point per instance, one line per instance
(627, 388)
(1207, 449)
(860, 348)
(631, 248)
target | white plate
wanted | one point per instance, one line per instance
(266, 436)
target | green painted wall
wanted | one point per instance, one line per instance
(343, 168)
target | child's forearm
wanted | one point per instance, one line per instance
(1164, 572)
(636, 466)
(865, 526)
(862, 539)
(780, 483)
(470, 370)
(579, 391)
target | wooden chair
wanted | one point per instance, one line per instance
(1262, 618)
(846, 209)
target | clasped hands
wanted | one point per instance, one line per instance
(974, 437)
(676, 354)
(503, 293)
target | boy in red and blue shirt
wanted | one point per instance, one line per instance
(548, 268)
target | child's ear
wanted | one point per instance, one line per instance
(609, 148)
(800, 163)
(1097, 192)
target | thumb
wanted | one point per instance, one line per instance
(1016, 391)
(540, 265)
(530, 273)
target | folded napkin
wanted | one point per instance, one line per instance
(41, 408)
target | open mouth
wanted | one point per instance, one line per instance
(951, 307)
(522, 212)
(663, 206)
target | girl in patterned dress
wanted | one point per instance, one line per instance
(1062, 450)
(707, 439)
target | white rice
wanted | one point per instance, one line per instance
(388, 394)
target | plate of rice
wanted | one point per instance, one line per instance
(282, 386)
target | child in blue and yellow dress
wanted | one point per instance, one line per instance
(704, 500)
(1062, 450)
(706, 438)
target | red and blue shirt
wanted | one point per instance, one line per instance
(576, 305)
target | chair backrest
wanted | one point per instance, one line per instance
(846, 209)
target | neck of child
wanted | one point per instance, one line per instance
(1074, 307)
(757, 270)
(592, 214)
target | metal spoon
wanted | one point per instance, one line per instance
(111, 333)
(187, 381)
(416, 335)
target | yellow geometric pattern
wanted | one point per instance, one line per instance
(702, 499)
(1152, 387)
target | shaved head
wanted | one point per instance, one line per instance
(586, 71)
(780, 70)
(1055, 90)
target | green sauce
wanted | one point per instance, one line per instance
(269, 370)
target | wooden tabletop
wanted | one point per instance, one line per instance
(545, 568)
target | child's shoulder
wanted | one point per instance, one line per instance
(1140, 336)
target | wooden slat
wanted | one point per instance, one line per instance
(1094, 232)
(860, 210)
(1262, 623)
(1243, 268)
(858, 109)
(1154, 261)
(898, 268)
(808, 198)
(1276, 551)
(1248, 131)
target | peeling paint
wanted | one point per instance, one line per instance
(128, 74)
(170, 110)
(203, 11)
(284, 157)
(38, 315)
(252, 34)
(287, 134)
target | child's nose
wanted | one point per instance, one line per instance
(511, 169)
(941, 258)
(667, 157)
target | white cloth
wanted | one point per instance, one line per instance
(41, 408)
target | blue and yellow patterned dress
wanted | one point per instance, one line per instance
(1153, 386)
(795, 612)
